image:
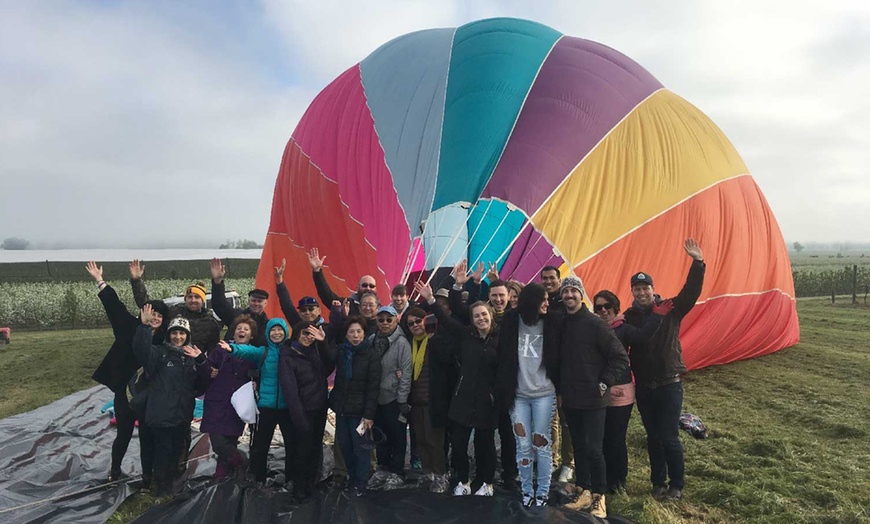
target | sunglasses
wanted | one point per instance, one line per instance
(367, 285)
(601, 307)
(385, 320)
(415, 322)
(308, 309)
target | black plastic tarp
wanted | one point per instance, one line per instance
(55, 459)
(54, 462)
(229, 503)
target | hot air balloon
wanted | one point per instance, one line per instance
(506, 141)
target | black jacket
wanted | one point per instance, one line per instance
(225, 311)
(302, 373)
(661, 357)
(174, 383)
(327, 296)
(554, 303)
(590, 354)
(357, 396)
(508, 355)
(120, 364)
(473, 401)
(205, 330)
(631, 336)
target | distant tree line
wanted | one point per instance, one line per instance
(14, 244)
(240, 244)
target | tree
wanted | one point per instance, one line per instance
(14, 243)
(798, 247)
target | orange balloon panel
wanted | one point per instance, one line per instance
(731, 222)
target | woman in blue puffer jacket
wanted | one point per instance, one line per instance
(271, 404)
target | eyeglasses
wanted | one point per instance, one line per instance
(385, 320)
(367, 285)
(308, 309)
(601, 307)
(415, 322)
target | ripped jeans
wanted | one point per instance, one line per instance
(531, 419)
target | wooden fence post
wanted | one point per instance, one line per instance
(855, 284)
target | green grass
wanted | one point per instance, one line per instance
(788, 442)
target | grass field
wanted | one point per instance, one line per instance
(789, 432)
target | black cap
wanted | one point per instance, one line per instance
(259, 293)
(307, 301)
(641, 278)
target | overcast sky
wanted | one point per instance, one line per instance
(131, 124)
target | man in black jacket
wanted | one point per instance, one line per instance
(257, 300)
(657, 366)
(591, 360)
(366, 284)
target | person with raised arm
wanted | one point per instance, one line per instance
(658, 366)
(271, 402)
(304, 363)
(170, 398)
(366, 283)
(118, 368)
(472, 408)
(205, 329)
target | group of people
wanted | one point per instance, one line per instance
(474, 359)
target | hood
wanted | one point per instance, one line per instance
(277, 321)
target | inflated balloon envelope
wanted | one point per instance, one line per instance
(506, 141)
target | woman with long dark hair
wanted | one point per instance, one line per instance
(527, 376)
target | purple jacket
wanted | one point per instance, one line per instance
(218, 415)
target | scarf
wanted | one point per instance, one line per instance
(617, 321)
(418, 354)
(347, 353)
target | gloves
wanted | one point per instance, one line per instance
(404, 408)
(663, 308)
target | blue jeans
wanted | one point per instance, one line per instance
(531, 419)
(356, 458)
(660, 411)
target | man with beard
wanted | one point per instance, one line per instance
(591, 360)
(657, 366)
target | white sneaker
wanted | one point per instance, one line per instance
(485, 490)
(462, 489)
(566, 474)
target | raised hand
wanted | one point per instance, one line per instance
(345, 307)
(664, 307)
(192, 352)
(279, 271)
(147, 314)
(460, 272)
(318, 333)
(217, 270)
(693, 249)
(137, 269)
(424, 290)
(315, 260)
(492, 273)
(478, 272)
(94, 271)
(225, 346)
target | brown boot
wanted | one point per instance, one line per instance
(599, 508)
(583, 502)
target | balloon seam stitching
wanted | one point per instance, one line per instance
(381, 145)
(592, 149)
(441, 127)
(657, 215)
(520, 112)
(748, 293)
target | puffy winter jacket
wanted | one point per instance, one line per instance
(396, 370)
(173, 381)
(269, 385)
(302, 372)
(590, 354)
(205, 330)
(357, 394)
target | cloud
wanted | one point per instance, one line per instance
(125, 124)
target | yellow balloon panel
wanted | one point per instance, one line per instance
(662, 153)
